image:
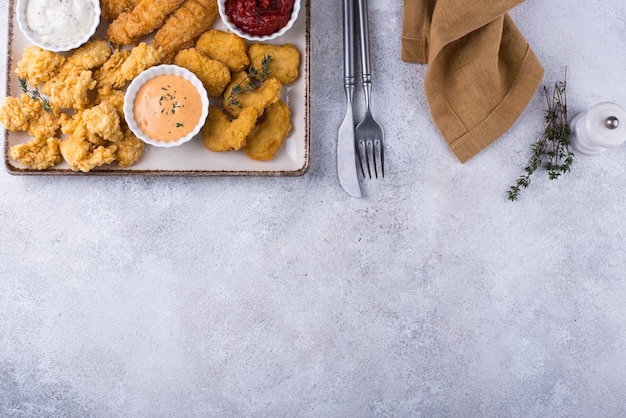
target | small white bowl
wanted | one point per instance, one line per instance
(140, 80)
(54, 22)
(253, 38)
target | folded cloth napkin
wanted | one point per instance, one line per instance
(481, 71)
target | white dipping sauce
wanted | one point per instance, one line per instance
(59, 22)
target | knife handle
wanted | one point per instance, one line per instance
(348, 46)
(364, 37)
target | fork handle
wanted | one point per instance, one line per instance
(348, 47)
(364, 37)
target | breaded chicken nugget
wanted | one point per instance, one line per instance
(270, 132)
(82, 155)
(141, 57)
(220, 134)
(91, 55)
(225, 47)
(285, 60)
(70, 88)
(81, 149)
(214, 75)
(74, 126)
(144, 18)
(15, 115)
(109, 74)
(103, 121)
(259, 98)
(38, 65)
(114, 97)
(26, 114)
(39, 153)
(123, 66)
(129, 148)
(184, 25)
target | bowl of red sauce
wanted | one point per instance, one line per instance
(259, 20)
(166, 105)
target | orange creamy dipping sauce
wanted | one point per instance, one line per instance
(167, 108)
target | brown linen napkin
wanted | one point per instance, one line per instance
(481, 71)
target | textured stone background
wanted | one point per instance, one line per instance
(431, 296)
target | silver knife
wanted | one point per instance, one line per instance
(346, 148)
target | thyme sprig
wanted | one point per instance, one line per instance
(253, 80)
(35, 95)
(554, 142)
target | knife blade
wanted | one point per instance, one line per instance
(346, 148)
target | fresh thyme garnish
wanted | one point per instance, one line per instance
(35, 95)
(253, 80)
(554, 142)
(179, 125)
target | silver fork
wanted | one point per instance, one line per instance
(369, 133)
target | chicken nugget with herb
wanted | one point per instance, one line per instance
(270, 132)
(225, 47)
(284, 63)
(214, 75)
(245, 91)
(29, 114)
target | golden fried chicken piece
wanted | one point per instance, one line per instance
(214, 75)
(144, 18)
(70, 88)
(114, 97)
(75, 126)
(111, 9)
(103, 120)
(141, 57)
(225, 47)
(184, 25)
(285, 60)
(220, 134)
(91, 55)
(26, 114)
(109, 74)
(82, 149)
(39, 153)
(270, 133)
(16, 114)
(129, 148)
(258, 98)
(82, 155)
(38, 65)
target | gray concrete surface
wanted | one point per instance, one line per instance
(431, 296)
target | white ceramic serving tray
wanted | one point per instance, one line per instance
(192, 158)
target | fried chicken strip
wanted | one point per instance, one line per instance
(146, 17)
(188, 22)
